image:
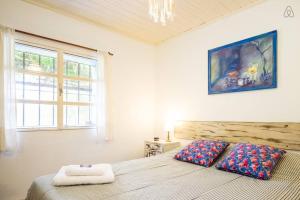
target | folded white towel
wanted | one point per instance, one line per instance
(61, 179)
(85, 170)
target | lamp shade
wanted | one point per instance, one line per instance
(169, 126)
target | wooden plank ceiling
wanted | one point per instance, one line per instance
(131, 18)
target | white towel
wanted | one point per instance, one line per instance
(93, 170)
(61, 179)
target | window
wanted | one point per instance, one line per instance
(78, 95)
(36, 86)
(53, 95)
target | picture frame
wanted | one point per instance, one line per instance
(249, 64)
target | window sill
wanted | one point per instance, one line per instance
(53, 129)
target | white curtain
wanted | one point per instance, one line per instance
(103, 100)
(8, 140)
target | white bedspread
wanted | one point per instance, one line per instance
(162, 177)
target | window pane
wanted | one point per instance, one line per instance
(93, 72)
(36, 115)
(19, 59)
(31, 87)
(70, 115)
(48, 115)
(79, 115)
(48, 64)
(32, 61)
(93, 115)
(70, 91)
(78, 66)
(93, 92)
(84, 70)
(48, 88)
(31, 115)
(37, 88)
(19, 85)
(19, 115)
(79, 91)
(36, 59)
(71, 69)
(84, 91)
(84, 116)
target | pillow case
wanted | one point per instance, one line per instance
(251, 160)
(202, 152)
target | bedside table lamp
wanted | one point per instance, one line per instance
(168, 128)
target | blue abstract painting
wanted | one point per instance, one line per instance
(245, 65)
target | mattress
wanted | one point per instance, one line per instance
(162, 177)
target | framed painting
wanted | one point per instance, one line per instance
(245, 65)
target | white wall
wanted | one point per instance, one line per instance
(182, 70)
(132, 98)
(148, 82)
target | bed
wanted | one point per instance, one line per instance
(163, 177)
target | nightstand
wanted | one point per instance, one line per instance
(153, 148)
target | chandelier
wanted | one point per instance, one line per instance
(161, 10)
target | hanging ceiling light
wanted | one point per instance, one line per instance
(161, 10)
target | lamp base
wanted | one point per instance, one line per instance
(168, 137)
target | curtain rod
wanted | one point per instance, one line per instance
(55, 40)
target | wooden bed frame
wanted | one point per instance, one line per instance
(284, 135)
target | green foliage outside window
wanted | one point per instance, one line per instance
(47, 64)
(35, 62)
(19, 59)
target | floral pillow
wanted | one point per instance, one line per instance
(251, 160)
(202, 152)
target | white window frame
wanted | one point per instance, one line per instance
(61, 49)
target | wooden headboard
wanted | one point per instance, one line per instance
(278, 134)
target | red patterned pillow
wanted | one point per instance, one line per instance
(202, 152)
(251, 160)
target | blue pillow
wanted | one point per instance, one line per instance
(202, 152)
(251, 160)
